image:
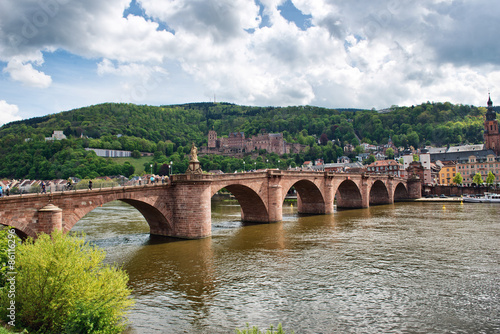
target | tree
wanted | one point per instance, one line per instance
(136, 154)
(323, 139)
(490, 179)
(390, 153)
(413, 139)
(371, 159)
(62, 286)
(477, 179)
(458, 179)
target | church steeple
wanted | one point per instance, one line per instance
(491, 115)
(491, 133)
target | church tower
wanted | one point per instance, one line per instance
(491, 133)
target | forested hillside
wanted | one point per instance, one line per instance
(169, 130)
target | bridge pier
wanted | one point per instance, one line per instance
(414, 187)
(275, 203)
(191, 216)
(49, 219)
(329, 198)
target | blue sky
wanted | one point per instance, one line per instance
(56, 55)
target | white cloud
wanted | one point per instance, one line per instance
(356, 53)
(107, 66)
(8, 112)
(24, 72)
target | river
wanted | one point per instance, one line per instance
(402, 268)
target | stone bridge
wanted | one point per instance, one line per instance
(182, 208)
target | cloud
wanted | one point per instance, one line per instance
(350, 54)
(8, 112)
(92, 29)
(23, 71)
(219, 20)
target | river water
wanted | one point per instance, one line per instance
(402, 268)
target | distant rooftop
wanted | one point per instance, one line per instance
(455, 149)
(466, 148)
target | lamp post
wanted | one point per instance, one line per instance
(255, 165)
(244, 169)
(151, 165)
(267, 163)
(279, 164)
(171, 166)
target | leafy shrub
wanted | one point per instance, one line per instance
(7, 237)
(256, 330)
(62, 286)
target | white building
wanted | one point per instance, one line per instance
(110, 153)
(57, 135)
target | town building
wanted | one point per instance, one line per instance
(472, 159)
(390, 167)
(474, 165)
(345, 167)
(100, 152)
(447, 173)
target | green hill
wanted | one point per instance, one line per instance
(168, 130)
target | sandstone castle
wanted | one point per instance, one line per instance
(236, 144)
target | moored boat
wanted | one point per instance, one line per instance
(486, 198)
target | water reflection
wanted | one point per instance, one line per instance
(408, 267)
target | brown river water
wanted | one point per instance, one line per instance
(402, 268)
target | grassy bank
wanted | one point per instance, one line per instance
(137, 163)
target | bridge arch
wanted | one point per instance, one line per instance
(22, 233)
(310, 200)
(379, 194)
(156, 215)
(253, 208)
(400, 192)
(348, 195)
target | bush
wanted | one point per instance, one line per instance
(7, 238)
(62, 286)
(255, 330)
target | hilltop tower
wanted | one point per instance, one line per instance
(491, 133)
(212, 139)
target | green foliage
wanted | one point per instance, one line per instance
(458, 179)
(255, 330)
(477, 179)
(390, 153)
(371, 159)
(7, 238)
(170, 130)
(490, 178)
(6, 331)
(62, 286)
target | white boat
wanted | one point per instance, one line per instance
(487, 198)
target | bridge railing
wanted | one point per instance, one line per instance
(62, 188)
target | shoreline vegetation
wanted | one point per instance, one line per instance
(77, 293)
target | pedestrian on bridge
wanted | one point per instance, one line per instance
(90, 184)
(7, 190)
(44, 191)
